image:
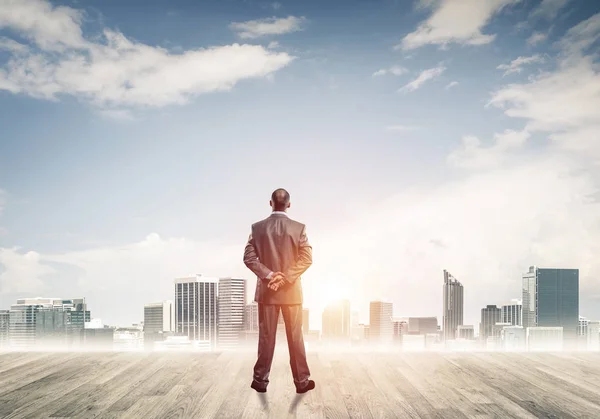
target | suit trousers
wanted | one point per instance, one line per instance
(268, 315)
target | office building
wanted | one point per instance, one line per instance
(453, 306)
(4, 327)
(232, 304)
(551, 299)
(336, 320)
(381, 329)
(51, 323)
(545, 338)
(422, 325)
(513, 312)
(159, 317)
(196, 308)
(513, 338)
(399, 329)
(593, 336)
(159, 322)
(582, 328)
(465, 332)
(251, 317)
(490, 315)
(305, 321)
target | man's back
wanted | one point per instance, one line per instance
(278, 252)
(280, 244)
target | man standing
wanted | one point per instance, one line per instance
(278, 252)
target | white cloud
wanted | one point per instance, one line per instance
(117, 114)
(51, 28)
(394, 70)
(581, 37)
(473, 156)
(113, 71)
(451, 85)
(276, 6)
(401, 128)
(548, 9)
(268, 26)
(455, 21)
(273, 45)
(536, 38)
(516, 65)
(425, 75)
(24, 272)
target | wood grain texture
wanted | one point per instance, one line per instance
(168, 385)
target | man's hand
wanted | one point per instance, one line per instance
(277, 280)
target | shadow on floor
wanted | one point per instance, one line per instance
(295, 402)
(263, 400)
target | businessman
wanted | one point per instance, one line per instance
(278, 252)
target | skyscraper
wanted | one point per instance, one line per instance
(381, 327)
(490, 315)
(196, 308)
(453, 305)
(232, 304)
(513, 313)
(336, 320)
(551, 299)
(251, 317)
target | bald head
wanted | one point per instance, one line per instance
(280, 200)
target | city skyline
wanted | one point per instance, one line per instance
(509, 313)
(427, 139)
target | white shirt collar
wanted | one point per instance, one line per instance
(279, 213)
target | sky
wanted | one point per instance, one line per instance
(141, 139)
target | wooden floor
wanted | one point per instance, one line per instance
(349, 385)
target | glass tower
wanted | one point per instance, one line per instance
(551, 299)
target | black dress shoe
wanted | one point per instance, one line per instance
(308, 386)
(256, 387)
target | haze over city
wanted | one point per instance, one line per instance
(413, 138)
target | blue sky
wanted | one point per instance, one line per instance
(140, 140)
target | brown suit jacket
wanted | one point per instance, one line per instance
(278, 244)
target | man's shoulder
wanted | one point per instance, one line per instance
(292, 222)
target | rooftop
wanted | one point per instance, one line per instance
(351, 384)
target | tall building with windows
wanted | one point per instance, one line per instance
(251, 317)
(159, 317)
(490, 315)
(232, 304)
(513, 313)
(465, 332)
(159, 322)
(551, 299)
(336, 320)
(196, 308)
(47, 322)
(381, 327)
(4, 327)
(453, 306)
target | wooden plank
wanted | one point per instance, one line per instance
(353, 384)
(128, 370)
(32, 399)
